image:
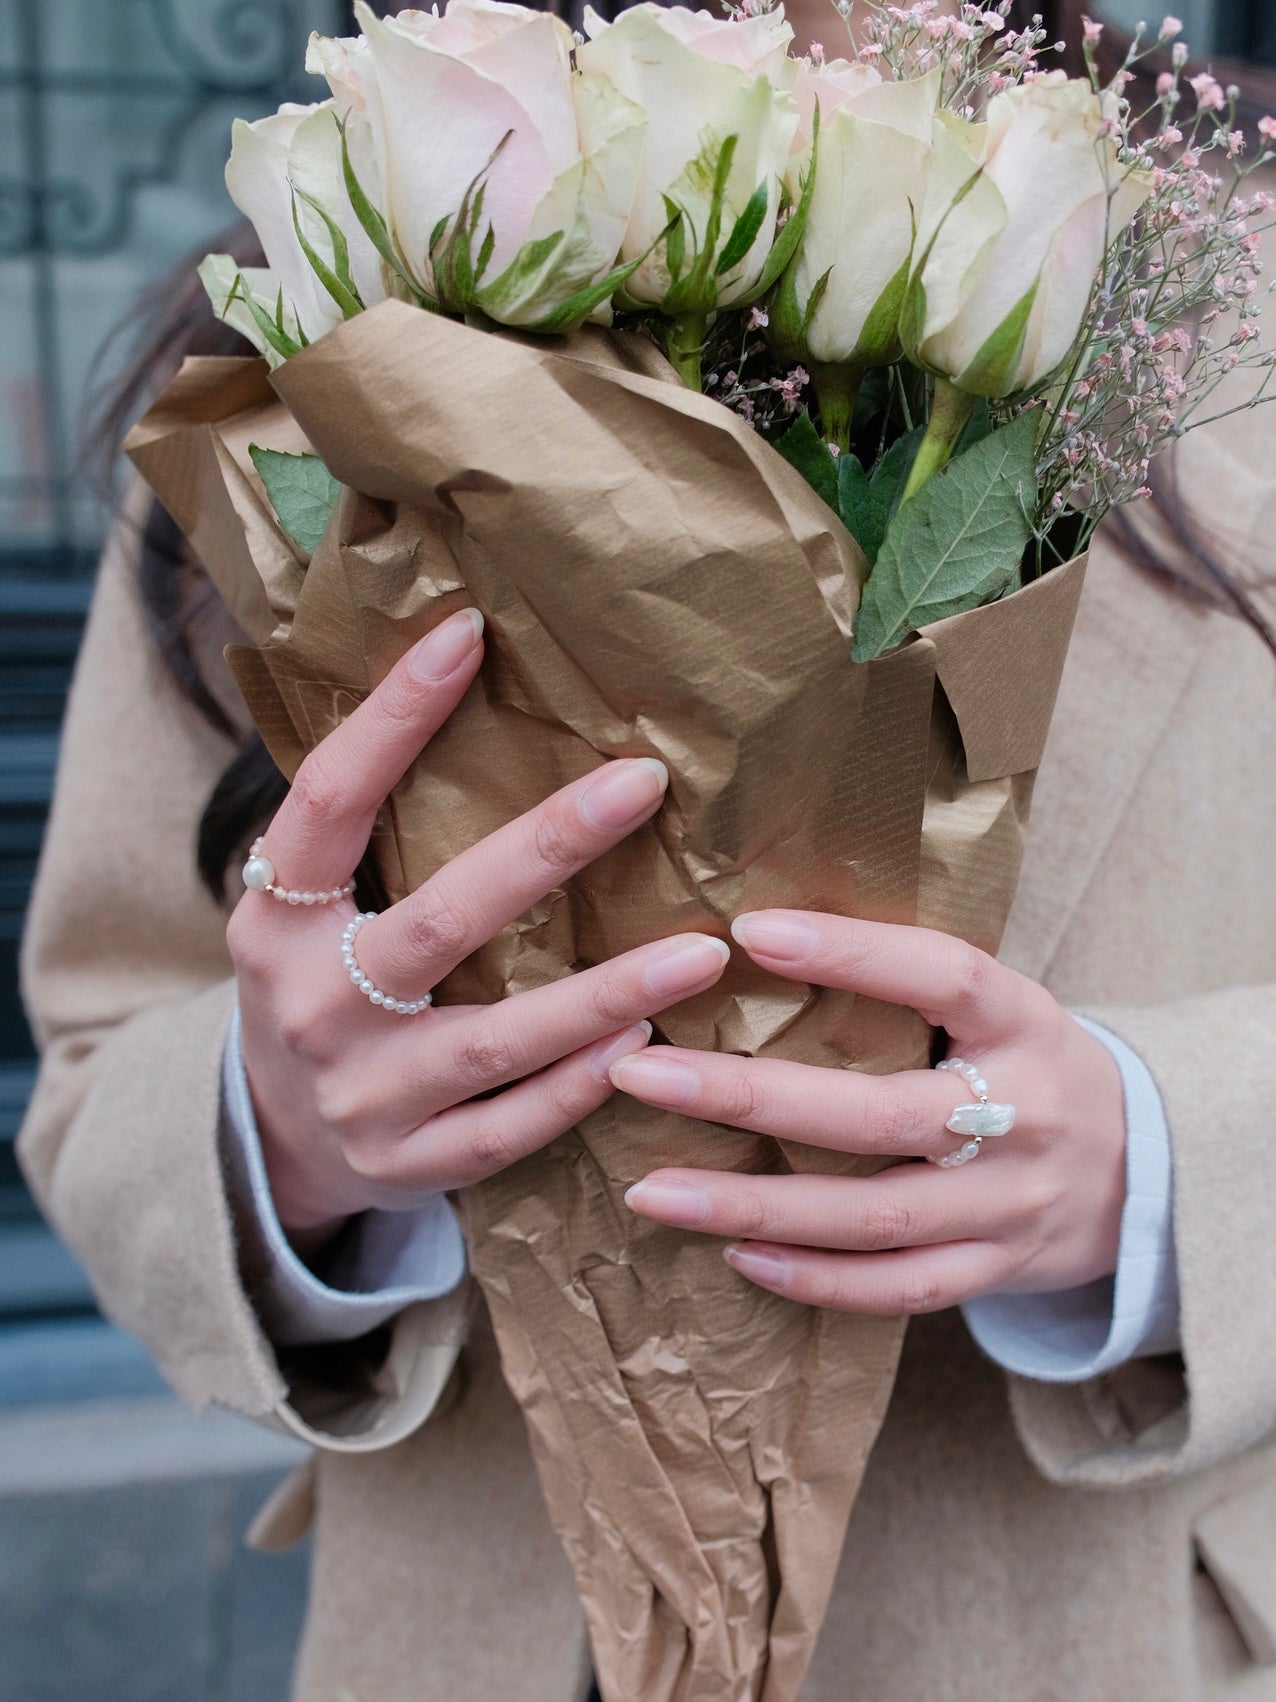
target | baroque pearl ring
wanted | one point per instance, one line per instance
(978, 1121)
(403, 1007)
(259, 876)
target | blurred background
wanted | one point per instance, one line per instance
(122, 1571)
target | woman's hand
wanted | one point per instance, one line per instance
(1039, 1209)
(359, 1108)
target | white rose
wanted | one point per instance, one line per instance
(842, 295)
(715, 92)
(285, 172)
(507, 178)
(1012, 234)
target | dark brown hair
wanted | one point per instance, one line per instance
(174, 593)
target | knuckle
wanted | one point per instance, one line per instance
(972, 973)
(434, 927)
(748, 1213)
(887, 1222)
(611, 1002)
(373, 1162)
(893, 1122)
(483, 1057)
(491, 1149)
(743, 1100)
(556, 843)
(315, 794)
(919, 1292)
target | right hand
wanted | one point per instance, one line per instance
(359, 1109)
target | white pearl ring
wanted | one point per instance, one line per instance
(259, 876)
(980, 1122)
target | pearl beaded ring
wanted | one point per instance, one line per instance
(403, 1007)
(978, 1121)
(259, 876)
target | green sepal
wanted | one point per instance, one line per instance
(879, 341)
(280, 340)
(348, 303)
(744, 232)
(302, 492)
(786, 243)
(992, 371)
(957, 543)
(675, 239)
(374, 226)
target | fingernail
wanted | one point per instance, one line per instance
(696, 958)
(775, 933)
(624, 792)
(680, 1203)
(618, 1046)
(442, 651)
(770, 1269)
(665, 1079)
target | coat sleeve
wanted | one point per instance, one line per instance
(1213, 1057)
(128, 985)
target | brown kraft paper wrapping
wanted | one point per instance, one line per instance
(656, 581)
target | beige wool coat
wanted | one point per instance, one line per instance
(1113, 1541)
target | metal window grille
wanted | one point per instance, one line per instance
(114, 128)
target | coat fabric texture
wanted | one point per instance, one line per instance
(1113, 1541)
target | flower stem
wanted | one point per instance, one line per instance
(949, 412)
(836, 388)
(684, 346)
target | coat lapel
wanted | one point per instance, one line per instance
(1133, 654)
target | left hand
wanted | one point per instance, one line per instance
(1039, 1209)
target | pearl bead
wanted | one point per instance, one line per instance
(259, 873)
(294, 898)
(307, 898)
(971, 1149)
(377, 997)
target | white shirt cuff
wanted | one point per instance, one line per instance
(380, 1263)
(1077, 1333)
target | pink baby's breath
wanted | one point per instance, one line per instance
(1170, 26)
(1209, 92)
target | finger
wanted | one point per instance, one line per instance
(900, 1115)
(499, 1043)
(422, 939)
(322, 828)
(952, 984)
(911, 1205)
(470, 1142)
(883, 1285)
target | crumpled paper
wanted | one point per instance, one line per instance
(656, 581)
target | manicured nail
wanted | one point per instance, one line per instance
(650, 1076)
(680, 1203)
(610, 1051)
(695, 958)
(624, 792)
(442, 651)
(770, 1269)
(775, 933)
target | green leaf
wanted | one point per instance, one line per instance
(975, 429)
(803, 447)
(302, 492)
(744, 232)
(866, 503)
(956, 544)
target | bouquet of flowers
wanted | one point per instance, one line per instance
(765, 407)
